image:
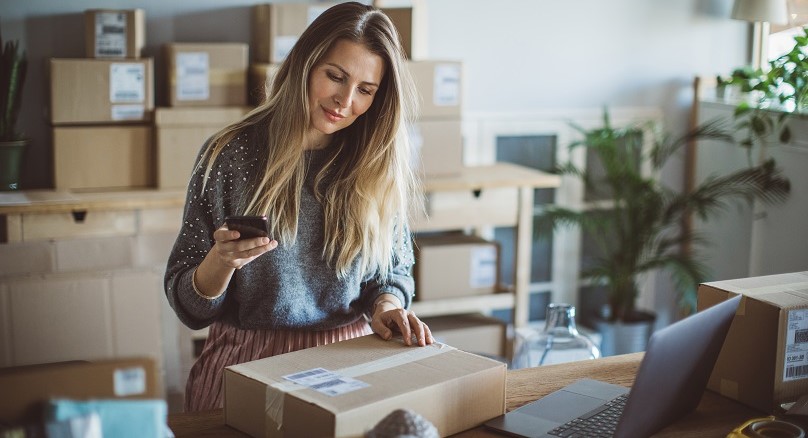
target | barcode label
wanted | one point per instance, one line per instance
(796, 372)
(800, 336)
(326, 382)
(795, 358)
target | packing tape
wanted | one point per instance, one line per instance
(274, 394)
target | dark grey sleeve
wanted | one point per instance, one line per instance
(399, 281)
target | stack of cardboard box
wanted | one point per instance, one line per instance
(101, 106)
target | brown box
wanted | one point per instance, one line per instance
(112, 33)
(452, 389)
(260, 78)
(411, 25)
(475, 333)
(102, 157)
(455, 265)
(438, 146)
(440, 87)
(277, 26)
(207, 74)
(25, 388)
(86, 91)
(181, 133)
(764, 360)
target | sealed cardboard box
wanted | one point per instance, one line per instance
(261, 76)
(110, 33)
(180, 134)
(764, 360)
(277, 26)
(84, 91)
(209, 74)
(102, 157)
(438, 146)
(26, 388)
(454, 265)
(475, 333)
(346, 388)
(440, 87)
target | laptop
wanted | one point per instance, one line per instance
(669, 384)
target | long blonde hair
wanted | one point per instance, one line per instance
(372, 187)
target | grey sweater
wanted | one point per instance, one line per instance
(290, 287)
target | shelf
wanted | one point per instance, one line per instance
(471, 304)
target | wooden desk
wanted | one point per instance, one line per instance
(715, 417)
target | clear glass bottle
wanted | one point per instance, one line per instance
(558, 342)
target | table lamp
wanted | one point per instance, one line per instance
(762, 13)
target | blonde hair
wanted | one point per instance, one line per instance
(372, 187)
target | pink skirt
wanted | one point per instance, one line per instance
(227, 345)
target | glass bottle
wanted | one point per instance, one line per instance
(558, 342)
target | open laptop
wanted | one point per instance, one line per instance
(669, 384)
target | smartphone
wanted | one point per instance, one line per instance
(248, 226)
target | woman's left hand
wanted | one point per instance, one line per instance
(385, 321)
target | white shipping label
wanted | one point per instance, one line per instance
(128, 112)
(283, 45)
(326, 382)
(129, 381)
(193, 76)
(795, 363)
(127, 82)
(483, 267)
(447, 85)
(110, 35)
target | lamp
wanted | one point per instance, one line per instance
(761, 13)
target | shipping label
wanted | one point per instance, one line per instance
(127, 82)
(483, 267)
(110, 35)
(326, 382)
(447, 85)
(129, 381)
(193, 76)
(795, 363)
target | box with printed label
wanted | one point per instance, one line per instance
(180, 134)
(27, 388)
(206, 74)
(86, 91)
(438, 146)
(277, 26)
(455, 265)
(345, 388)
(261, 76)
(764, 360)
(440, 86)
(114, 33)
(102, 157)
(475, 333)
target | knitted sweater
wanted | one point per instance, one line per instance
(290, 287)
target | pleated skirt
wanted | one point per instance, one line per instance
(227, 345)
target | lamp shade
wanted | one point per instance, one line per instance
(770, 11)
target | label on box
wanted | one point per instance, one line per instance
(110, 35)
(795, 362)
(193, 76)
(127, 112)
(283, 45)
(326, 382)
(127, 82)
(447, 85)
(129, 381)
(483, 267)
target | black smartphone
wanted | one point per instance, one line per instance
(248, 226)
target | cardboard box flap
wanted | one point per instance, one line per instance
(783, 290)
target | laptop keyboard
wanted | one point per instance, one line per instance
(600, 422)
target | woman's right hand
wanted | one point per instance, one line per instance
(235, 253)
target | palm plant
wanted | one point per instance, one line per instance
(13, 67)
(644, 229)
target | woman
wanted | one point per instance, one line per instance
(327, 160)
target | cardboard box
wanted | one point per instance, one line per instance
(412, 28)
(440, 86)
(209, 74)
(455, 265)
(86, 91)
(102, 157)
(438, 147)
(475, 333)
(764, 360)
(260, 79)
(114, 33)
(452, 389)
(180, 134)
(277, 26)
(26, 388)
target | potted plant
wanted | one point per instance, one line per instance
(642, 228)
(13, 66)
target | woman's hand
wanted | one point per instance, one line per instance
(235, 253)
(389, 317)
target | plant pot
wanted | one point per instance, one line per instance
(621, 337)
(11, 159)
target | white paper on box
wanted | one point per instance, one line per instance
(795, 363)
(447, 85)
(129, 381)
(483, 271)
(127, 82)
(127, 112)
(326, 382)
(193, 76)
(110, 35)
(283, 45)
